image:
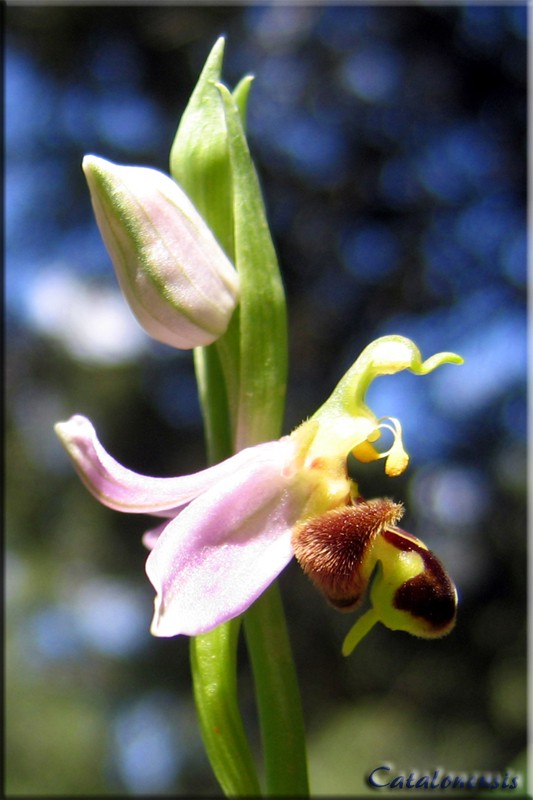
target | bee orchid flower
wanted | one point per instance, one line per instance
(227, 532)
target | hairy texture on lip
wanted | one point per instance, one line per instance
(332, 549)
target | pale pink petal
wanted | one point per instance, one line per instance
(151, 536)
(224, 549)
(124, 490)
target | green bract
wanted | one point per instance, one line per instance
(211, 160)
(199, 157)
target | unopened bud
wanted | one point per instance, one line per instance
(175, 276)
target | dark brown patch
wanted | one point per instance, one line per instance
(429, 596)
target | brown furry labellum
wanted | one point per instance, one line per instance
(334, 549)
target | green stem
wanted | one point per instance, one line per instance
(214, 402)
(259, 417)
(278, 697)
(213, 665)
(213, 655)
(242, 390)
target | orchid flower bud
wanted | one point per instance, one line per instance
(175, 276)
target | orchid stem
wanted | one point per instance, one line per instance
(214, 403)
(213, 655)
(278, 697)
(213, 664)
(242, 391)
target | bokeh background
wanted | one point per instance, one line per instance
(391, 145)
